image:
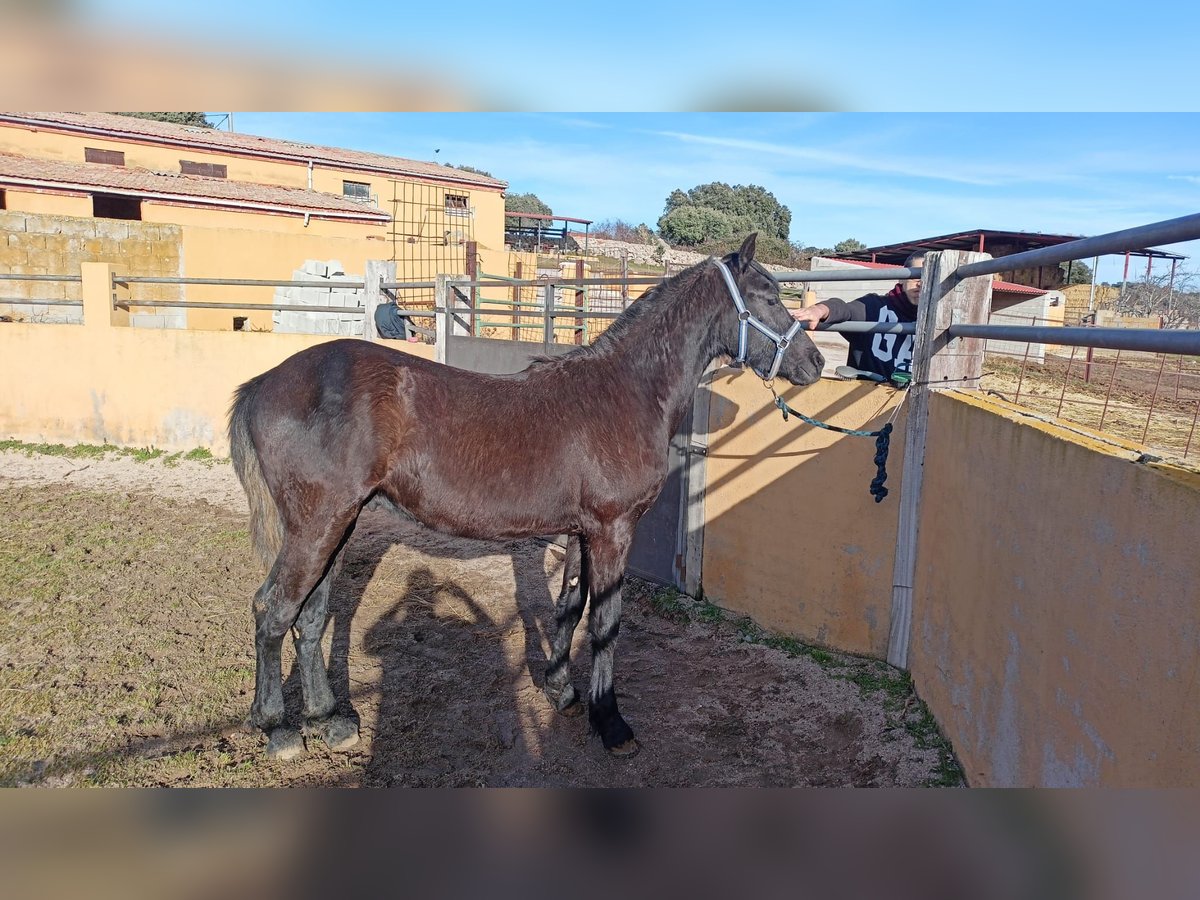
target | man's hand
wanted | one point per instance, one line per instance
(811, 315)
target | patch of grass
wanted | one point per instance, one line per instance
(98, 451)
(708, 613)
(68, 451)
(667, 602)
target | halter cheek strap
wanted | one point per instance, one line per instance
(746, 321)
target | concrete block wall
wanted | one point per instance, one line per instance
(335, 293)
(57, 245)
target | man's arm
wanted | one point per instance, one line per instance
(832, 311)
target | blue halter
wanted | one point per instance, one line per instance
(746, 321)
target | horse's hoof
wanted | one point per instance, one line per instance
(338, 732)
(626, 750)
(565, 700)
(284, 744)
(573, 710)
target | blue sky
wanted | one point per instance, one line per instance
(876, 177)
(750, 54)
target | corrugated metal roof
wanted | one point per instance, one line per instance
(971, 240)
(16, 171)
(218, 141)
(1001, 287)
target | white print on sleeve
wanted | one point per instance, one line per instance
(884, 346)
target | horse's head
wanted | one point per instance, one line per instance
(797, 358)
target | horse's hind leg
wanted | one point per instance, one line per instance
(567, 612)
(298, 569)
(607, 552)
(338, 732)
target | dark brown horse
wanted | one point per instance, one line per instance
(575, 445)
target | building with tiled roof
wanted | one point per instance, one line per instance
(218, 204)
(153, 133)
(19, 173)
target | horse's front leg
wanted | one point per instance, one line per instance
(606, 554)
(568, 610)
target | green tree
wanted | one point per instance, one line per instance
(475, 170)
(849, 245)
(692, 226)
(1076, 272)
(526, 203)
(749, 207)
(197, 119)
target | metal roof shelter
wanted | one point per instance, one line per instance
(984, 240)
(540, 227)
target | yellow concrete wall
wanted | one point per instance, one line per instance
(48, 203)
(792, 536)
(220, 244)
(136, 387)
(1056, 628)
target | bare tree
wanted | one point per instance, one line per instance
(1177, 303)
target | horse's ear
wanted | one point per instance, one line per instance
(746, 253)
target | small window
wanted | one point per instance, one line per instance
(113, 206)
(457, 205)
(356, 190)
(2, 203)
(108, 157)
(209, 170)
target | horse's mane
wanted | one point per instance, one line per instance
(654, 305)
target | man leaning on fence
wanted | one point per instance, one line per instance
(390, 324)
(886, 355)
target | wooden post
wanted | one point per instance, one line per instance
(441, 301)
(695, 486)
(516, 299)
(473, 275)
(376, 273)
(939, 363)
(625, 281)
(579, 302)
(548, 302)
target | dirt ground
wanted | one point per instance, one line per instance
(126, 658)
(1146, 398)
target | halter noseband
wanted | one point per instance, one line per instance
(746, 320)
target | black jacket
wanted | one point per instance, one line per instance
(879, 353)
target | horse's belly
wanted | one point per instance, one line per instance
(485, 512)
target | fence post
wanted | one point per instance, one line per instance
(441, 313)
(377, 272)
(939, 362)
(548, 303)
(580, 294)
(516, 299)
(472, 275)
(102, 297)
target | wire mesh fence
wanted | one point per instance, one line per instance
(1151, 399)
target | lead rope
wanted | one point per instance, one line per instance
(882, 437)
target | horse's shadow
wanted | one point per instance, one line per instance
(436, 673)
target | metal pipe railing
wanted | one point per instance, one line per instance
(1151, 340)
(897, 274)
(25, 301)
(239, 282)
(1170, 231)
(9, 276)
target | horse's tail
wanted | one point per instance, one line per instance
(266, 526)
